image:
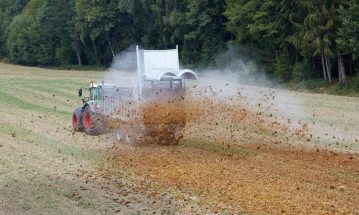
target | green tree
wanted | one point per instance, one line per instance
(38, 35)
(206, 36)
(319, 32)
(8, 10)
(168, 18)
(71, 43)
(266, 26)
(24, 40)
(348, 33)
(96, 19)
(277, 34)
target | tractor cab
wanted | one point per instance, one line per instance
(94, 93)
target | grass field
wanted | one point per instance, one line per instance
(45, 168)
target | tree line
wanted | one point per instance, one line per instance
(288, 39)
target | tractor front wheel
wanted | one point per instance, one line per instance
(77, 120)
(94, 123)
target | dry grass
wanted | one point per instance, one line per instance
(45, 168)
(240, 158)
(235, 157)
(261, 181)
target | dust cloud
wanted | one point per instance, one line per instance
(233, 104)
(122, 71)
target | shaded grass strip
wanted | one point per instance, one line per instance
(14, 101)
(33, 138)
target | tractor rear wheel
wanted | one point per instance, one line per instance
(94, 123)
(77, 120)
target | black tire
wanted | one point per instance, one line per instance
(77, 120)
(94, 123)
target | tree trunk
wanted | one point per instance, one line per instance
(164, 42)
(109, 43)
(76, 48)
(351, 64)
(341, 70)
(78, 57)
(77, 51)
(96, 55)
(324, 68)
(313, 63)
(329, 69)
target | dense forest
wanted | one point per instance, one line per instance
(288, 39)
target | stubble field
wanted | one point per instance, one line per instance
(270, 151)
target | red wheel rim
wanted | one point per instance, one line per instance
(75, 121)
(87, 120)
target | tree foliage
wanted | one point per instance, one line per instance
(295, 31)
(348, 33)
(8, 10)
(283, 37)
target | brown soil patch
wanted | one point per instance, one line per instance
(264, 181)
(243, 159)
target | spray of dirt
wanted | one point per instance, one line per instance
(242, 132)
(232, 104)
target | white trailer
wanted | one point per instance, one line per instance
(160, 65)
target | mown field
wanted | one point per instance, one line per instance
(45, 168)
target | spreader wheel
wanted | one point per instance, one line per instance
(164, 134)
(129, 134)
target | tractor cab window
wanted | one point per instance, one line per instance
(95, 93)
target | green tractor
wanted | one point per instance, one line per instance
(90, 118)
